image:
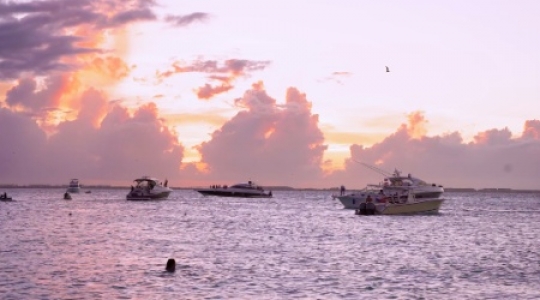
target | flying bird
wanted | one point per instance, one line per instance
(387, 69)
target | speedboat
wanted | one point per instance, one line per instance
(243, 190)
(410, 205)
(74, 186)
(148, 188)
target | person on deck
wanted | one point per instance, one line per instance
(381, 197)
(369, 199)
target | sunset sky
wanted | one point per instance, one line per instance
(291, 93)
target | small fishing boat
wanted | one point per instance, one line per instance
(74, 186)
(4, 197)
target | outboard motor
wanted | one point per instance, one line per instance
(370, 208)
(362, 208)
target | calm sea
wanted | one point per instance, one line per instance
(298, 245)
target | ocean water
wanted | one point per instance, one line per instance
(297, 245)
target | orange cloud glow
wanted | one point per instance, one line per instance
(417, 125)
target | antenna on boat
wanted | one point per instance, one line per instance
(373, 168)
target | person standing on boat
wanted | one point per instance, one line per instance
(369, 199)
(381, 197)
(342, 190)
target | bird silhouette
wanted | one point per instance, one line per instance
(387, 69)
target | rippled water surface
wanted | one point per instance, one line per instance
(298, 245)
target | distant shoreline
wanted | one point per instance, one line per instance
(273, 188)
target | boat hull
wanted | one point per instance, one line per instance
(229, 193)
(73, 189)
(421, 207)
(351, 201)
(134, 196)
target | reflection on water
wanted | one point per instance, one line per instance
(298, 245)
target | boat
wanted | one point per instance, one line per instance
(67, 196)
(400, 184)
(74, 186)
(4, 197)
(353, 199)
(394, 185)
(149, 188)
(242, 190)
(410, 205)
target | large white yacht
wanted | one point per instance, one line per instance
(244, 190)
(401, 185)
(74, 186)
(394, 186)
(149, 188)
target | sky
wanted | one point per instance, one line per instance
(288, 93)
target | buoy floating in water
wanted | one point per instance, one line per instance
(171, 265)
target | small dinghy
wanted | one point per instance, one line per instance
(4, 197)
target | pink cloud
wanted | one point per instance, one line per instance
(493, 137)
(105, 143)
(226, 73)
(26, 95)
(494, 159)
(208, 91)
(531, 129)
(20, 153)
(266, 142)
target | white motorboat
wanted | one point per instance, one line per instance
(243, 190)
(409, 205)
(399, 184)
(353, 199)
(394, 185)
(74, 186)
(149, 188)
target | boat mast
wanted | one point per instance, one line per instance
(375, 169)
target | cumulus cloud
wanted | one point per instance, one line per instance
(105, 143)
(20, 153)
(225, 73)
(492, 160)
(267, 142)
(531, 130)
(27, 96)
